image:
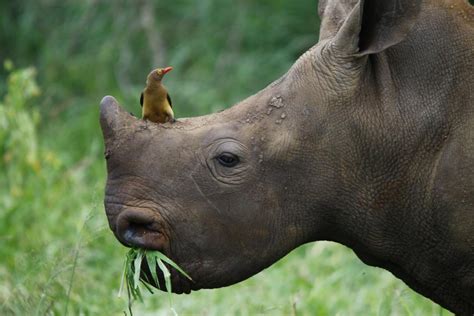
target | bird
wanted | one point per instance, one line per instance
(155, 99)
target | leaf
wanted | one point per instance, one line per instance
(122, 280)
(161, 256)
(133, 257)
(137, 263)
(151, 260)
(167, 275)
(132, 274)
(147, 286)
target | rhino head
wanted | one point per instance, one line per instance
(353, 144)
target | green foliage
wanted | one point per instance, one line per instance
(216, 47)
(58, 254)
(18, 148)
(132, 277)
(44, 205)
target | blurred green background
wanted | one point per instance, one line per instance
(58, 59)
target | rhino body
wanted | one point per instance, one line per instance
(367, 140)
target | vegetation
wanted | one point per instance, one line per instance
(57, 253)
(132, 277)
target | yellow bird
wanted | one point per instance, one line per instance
(155, 100)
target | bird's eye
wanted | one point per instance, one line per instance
(228, 160)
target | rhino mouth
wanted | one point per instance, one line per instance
(142, 228)
(179, 284)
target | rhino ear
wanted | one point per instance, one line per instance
(333, 14)
(367, 26)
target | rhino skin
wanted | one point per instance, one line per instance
(367, 140)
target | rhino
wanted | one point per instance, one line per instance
(367, 141)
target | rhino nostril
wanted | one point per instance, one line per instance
(140, 236)
(140, 229)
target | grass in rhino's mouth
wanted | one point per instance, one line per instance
(132, 277)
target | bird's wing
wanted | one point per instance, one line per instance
(169, 99)
(141, 99)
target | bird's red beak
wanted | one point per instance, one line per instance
(167, 69)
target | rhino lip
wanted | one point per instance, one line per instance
(180, 284)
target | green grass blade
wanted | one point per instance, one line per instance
(137, 263)
(173, 311)
(161, 256)
(129, 275)
(129, 299)
(122, 280)
(151, 260)
(145, 284)
(132, 274)
(167, 275)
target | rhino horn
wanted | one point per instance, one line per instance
(114, 120)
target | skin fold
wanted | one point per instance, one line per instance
(367, 140)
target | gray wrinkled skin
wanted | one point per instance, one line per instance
(368, 140)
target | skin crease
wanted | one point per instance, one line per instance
(367, 141)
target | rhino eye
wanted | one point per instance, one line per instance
(228, 160)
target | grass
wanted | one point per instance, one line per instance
(132, 276)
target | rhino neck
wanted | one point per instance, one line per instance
(406, 138)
